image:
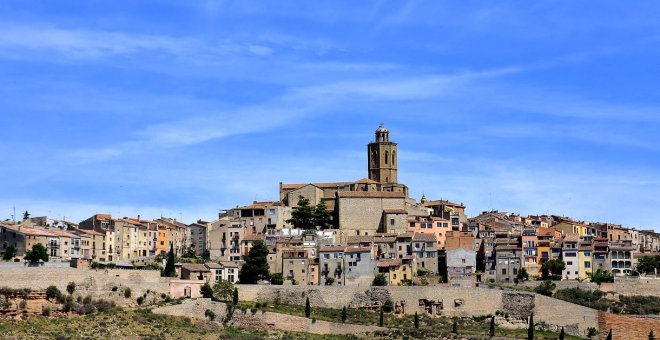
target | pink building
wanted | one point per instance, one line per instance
(430, 225)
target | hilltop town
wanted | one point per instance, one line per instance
(351, 235)
(347, 232)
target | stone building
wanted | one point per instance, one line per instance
(198, 231)
(425, 252)
(360, 266)
(507, 262)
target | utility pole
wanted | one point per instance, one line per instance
(14, 215)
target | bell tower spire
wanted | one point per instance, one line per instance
(382, 157)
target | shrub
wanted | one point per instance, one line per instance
(163, 295)
(23, 305)
(388, 305)
(379, 280)
(127, 293)
(95, 265)
(9, 253)
(206, 291)
(140, 300)
(591, 332)
(79, 299)
(277, 279)
(329, 281)
(209, 314)
(423, 272)
(546, 288)
(103, 306)
(87, 300)
(71, 287)
(45, 311)
(114, 289)
(53, 292)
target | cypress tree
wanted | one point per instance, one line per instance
(454, 327)
(609, 335)
(308, 308)
(491, 332)
(169, 270)
(380, 321)
(344, 314)
(561, 334)
(530, 329)
(416, 320)
(235, 297)
(651, 336)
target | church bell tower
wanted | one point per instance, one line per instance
(382, 157)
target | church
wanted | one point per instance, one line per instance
(376, 204)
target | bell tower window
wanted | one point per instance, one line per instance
(387, 155)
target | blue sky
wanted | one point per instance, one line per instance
(183, 108)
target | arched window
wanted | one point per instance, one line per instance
(393, 157)
(387, 155)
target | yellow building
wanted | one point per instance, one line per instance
(585, 253)
(395, 271)
(568, 227)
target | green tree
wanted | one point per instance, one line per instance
(9, 253)
(600, 276)
(26, 215)
(308, 308)
(322, 217)
(561, 334)
(127, 293)
(382, 317)
(481, 258)
(530, 328)
(277, 279)
(71, 287)
(552, 267)
(52, 292)
(206, 291)
(522, 275)
(303, 216)
(379, 280)
(344, 314)
(170, 270)
(609, 335)
(454, 327)
(416, 320)
(255, 267)
(546, 287)
(235, 297)
(648, 264)
(38, 252)
(651, 336)
(491, 331)
(223, 290)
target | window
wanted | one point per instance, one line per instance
(569, 263)
(391, 221)
(587, 264)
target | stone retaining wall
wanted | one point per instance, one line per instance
(98, 283)
(455, 301)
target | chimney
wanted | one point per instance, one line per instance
(138, 218)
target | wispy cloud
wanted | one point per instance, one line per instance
(94, 44)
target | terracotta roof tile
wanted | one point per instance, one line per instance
(389, 263)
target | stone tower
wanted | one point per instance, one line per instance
(382, 157)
